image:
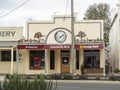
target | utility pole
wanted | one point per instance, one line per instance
(73, 52)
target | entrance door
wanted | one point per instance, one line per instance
(65, 62)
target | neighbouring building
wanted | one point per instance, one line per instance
(47, 47)
(9, 37)
(114, 39)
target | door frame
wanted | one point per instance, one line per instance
(65, 64)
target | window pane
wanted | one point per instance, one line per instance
(37, 59)
(6, 55)
(52, 59)
(92, 58)
(77, 59)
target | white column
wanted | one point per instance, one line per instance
(45, 61)
(17, 60)
(11, 61)
(104, 74)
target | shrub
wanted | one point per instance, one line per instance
(67, 76)
(82, 69)
(83, 77)
(15, 82)
(56, 76)
(116, 70)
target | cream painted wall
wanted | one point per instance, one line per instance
(24, 63)
(5, 67)
(102, 58)
(46, 27)
(91, 28)
(11, 33)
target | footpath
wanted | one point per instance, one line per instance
(88, 81)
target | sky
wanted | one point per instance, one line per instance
(16, 12)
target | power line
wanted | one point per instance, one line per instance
(66, 8)
(14, 9)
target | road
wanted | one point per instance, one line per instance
(87, 85)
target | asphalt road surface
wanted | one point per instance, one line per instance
(86, 85)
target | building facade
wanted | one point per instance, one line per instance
(47, 47)
(9, 37)
(114, 39)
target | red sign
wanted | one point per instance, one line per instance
(30, 46)
(58, 46)
(44, 46)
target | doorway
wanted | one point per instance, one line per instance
(65, 62)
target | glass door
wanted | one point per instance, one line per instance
(65, 62)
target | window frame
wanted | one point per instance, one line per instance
(3, 55)
(37, 54)
(52, 59)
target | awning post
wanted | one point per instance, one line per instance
(11, 61)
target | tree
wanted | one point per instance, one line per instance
(100, 12)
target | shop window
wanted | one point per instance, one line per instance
(52, 60)
(77, 59)
(6, 55)
(37, 59)
(92, 58)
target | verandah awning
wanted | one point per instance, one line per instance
(80, 46)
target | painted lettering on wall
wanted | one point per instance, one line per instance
(7, 33)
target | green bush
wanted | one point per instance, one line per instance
(56, 76)
(67, 76)
(15, 82)
(82, 69)
(116, 70)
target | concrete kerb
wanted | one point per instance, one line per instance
(2, 77)
(87, 81)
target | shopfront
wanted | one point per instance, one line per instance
(57, 58)
(47, 47)
(92, 55)
(9, 37)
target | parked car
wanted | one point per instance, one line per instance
(115, 77)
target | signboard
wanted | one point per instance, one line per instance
(30, 47)
(43, 46)
(10, 33)
(59, 47)
(99, 46)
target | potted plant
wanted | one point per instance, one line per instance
(82, 69)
